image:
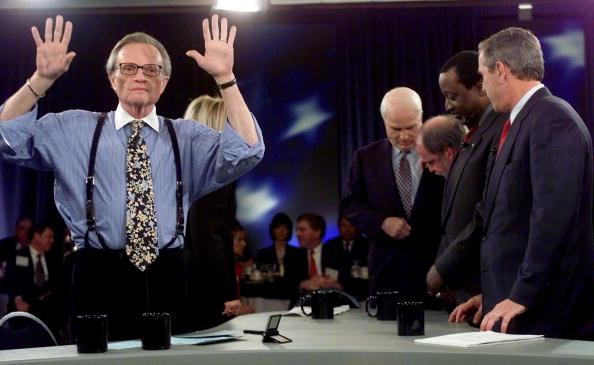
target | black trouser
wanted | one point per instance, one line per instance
(105, 282)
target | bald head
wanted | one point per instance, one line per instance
(402, 111)
(401, 98)
(438, 142)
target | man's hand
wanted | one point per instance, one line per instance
(218, 50)
(396, 227)
(434, 281)
(462, 311)
(21, 305)
(53, 58)
(507, 309)
(232, 307)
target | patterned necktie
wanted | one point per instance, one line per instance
(313, 270)
(39, 273)
(404, 182)
(504, 133)
(141, 221)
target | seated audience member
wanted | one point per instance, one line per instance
(242, 259)
(34, 278)
(345, 256)
(212, 293)
(311, 228)
(8, 248)
(288, 259)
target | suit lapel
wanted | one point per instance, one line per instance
(461, 161)
(506, 149)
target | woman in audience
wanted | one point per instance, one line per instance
(288, 259)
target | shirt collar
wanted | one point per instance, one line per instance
(523, 100)
(122, 118)
(317, 249)
(34, 252)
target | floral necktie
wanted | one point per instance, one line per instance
(141, 221)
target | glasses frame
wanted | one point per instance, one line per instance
(119, 67)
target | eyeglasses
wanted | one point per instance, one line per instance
(132, 68)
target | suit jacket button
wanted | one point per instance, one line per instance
(484, 238)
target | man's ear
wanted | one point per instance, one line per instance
(479, 88)
(502, 71)
(450, 153)
(111, 79)
(164, 83)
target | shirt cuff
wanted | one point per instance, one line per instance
(13, 130)
(237, 148)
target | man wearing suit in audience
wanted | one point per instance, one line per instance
(462, 86)
(394, 202)
(8, 248)
(537, 259)
(310, 231)
(34, 279)
(346, 255)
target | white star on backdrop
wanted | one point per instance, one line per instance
(254, 203)
(308, 116)
(569, 46)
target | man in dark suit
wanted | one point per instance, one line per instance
(537, 259)
(34, 279)
(461, 84)
(8, 248)
(346, 256)
(310, 231)
(394, 202)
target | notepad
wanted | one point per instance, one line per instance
(473, 339)
(296, 311)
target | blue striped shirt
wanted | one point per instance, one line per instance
(61, 143)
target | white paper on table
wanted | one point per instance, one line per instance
(211, 334)
(472, 339)
(185, 339)
(297, 310)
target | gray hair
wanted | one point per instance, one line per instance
(519, 49)
(401, 97)
(138, 37)
(441, 132)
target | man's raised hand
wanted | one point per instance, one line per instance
(53, 58)
(218, 50)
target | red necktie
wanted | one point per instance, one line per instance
(504, 133)
(313, 270)
(470, 133)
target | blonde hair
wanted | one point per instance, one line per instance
(207, 110)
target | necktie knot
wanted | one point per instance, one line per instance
(136, 127)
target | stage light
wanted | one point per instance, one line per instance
(524, 11)
(251, 6)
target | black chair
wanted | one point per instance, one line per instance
(34, 333)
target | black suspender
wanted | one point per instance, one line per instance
(90, 182)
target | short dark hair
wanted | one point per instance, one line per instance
(316, 222)
(38, 228)
(280, 219)
(519, 49)
(466, 63)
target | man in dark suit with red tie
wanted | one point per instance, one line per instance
(458, 267)
(535, 226)
(34, 279)
(394, 202)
